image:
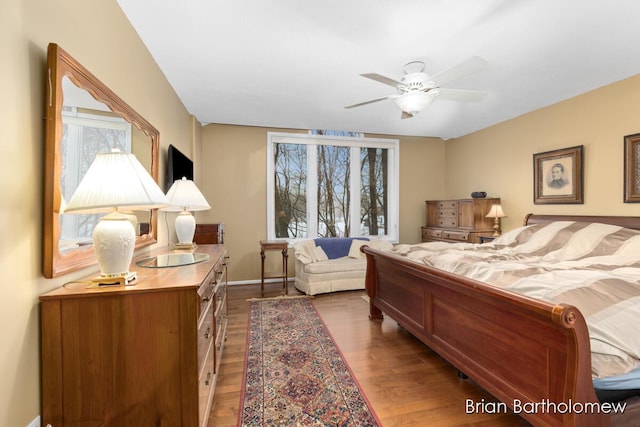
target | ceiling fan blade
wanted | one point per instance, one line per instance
(368, 102)
(459, 94)
(470, 66)
(382, 79)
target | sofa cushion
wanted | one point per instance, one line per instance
(336, 265)
(382, 245)
(319, 254)
(336, 247)
(354, 249)
(303, 251)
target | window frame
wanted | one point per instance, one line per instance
(356, 144)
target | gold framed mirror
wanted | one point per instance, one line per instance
(84, 117)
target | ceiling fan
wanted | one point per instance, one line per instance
(417, 90)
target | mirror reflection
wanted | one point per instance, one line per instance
(90, 127)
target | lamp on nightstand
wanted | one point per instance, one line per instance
(496, 212)
(185, 197)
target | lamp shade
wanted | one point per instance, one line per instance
(496, 212)
(413, 102)
(116, 179)
(185, 195)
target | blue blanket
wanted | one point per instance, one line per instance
(336, 247)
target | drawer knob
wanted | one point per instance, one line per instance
(207, 334)
(208, 380)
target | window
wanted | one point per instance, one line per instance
(83, 136)
(321, 185)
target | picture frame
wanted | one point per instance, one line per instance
(632, 168)
(558, 176)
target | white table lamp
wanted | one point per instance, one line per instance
(185, 197)
(496, 212)
(115, 180)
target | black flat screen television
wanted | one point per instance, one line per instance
(178, 165)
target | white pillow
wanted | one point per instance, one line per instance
(354, 249)
(381, 245)
(319, 254)
(303, 251)
(303, 256)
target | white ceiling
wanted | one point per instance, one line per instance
(296, 64)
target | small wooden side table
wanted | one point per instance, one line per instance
(273, 245)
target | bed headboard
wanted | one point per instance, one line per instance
(632, 222)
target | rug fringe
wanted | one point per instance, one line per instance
(281, 297)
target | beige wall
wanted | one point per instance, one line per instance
(99, 36)
(234, 171)
(499, 160)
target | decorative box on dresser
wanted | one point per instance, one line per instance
(147, 354)
(460, 220)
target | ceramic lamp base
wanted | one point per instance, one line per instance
(114, 239)
(185, 228)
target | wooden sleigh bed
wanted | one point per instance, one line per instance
(522, 350)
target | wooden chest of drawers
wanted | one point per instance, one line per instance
(460, 220)
(209, 233)
(140, 355)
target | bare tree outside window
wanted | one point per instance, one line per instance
(373, 191)
(333, 191)
(327, 184)
(290, 190)
(83, 137)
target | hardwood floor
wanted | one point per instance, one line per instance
(406, 383)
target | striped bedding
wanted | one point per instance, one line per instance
(594, 267)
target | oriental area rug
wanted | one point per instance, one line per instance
(295, 375)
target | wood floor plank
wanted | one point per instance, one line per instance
(406, 383)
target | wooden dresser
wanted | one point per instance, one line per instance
(460, 220)
(141, 355)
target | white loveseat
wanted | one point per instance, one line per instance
(332, 264)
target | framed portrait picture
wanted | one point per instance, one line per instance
(557, 176)
(632, 168)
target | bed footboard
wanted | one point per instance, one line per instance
(533, 356)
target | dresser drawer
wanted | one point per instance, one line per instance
(221, 337)
(220, 297)
(456, 235)
(221, 319)
(447, 221)
(205, 291)
(221, 315)
(448, 204)
(431, 232)
(447, 213)
(206, 334)
(206, 385)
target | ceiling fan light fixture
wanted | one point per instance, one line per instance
(414, 102)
